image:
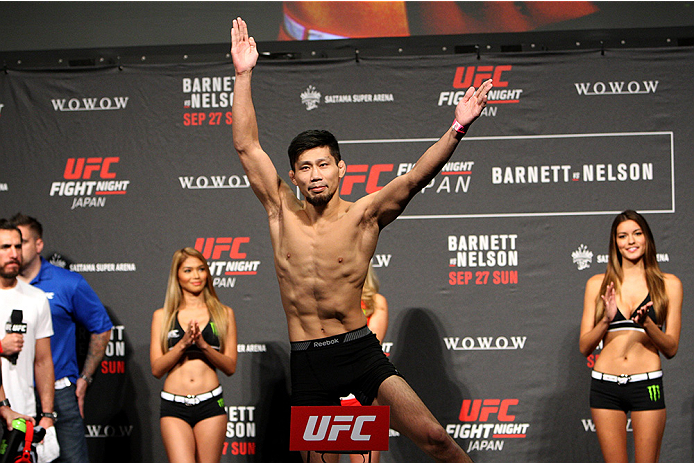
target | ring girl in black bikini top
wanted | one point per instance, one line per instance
(209, 334)
(619, 323)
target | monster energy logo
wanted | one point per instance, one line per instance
(654, 392)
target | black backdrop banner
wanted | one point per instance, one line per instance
(484, 272)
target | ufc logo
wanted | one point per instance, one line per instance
(360, 173)
(480, 410)
(16, 328)
(475, 75)
(334, 428)
(83, 168)
(214, 247)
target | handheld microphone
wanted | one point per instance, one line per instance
(15, 325)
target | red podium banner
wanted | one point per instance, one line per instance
(339, 429)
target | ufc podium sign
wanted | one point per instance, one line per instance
(338, 429)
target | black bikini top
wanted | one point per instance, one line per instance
(209, 334)
(619, 323)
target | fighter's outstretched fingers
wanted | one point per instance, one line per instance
(243, 28)
(238, 31)
(473, 102)
(483, 90)
(244, 51)
(234, 33)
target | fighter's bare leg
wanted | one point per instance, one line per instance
(409, 416)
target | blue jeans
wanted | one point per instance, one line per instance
(70, 427)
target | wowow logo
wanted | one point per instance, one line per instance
(473, 76)
(589, 426)
(113, 431)
(381, 260)
(485, 343)
(487, 422)
(214, 182)
(89, 181)
(90, 104)
(226, 259)
(633, 87)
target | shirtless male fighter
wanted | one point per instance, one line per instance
(322, 247)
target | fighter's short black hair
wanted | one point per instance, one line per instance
(310, 139)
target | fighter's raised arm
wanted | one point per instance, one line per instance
(389, 202)
(256, 163)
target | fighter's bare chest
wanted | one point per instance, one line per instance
(339, 237)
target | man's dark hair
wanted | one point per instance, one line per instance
(26, 221)
(310, 139)
(8, 225)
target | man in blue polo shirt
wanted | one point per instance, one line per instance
(72, 301)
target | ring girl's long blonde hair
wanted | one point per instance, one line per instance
(370, 289)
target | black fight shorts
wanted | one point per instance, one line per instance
(323, 370)
(636, 396)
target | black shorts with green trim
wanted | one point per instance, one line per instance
(637, 396)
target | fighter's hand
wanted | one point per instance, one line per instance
(472, 104)
(12, 344)
(610, 301)
(244, 52)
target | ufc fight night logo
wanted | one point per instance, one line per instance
(473, 76)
